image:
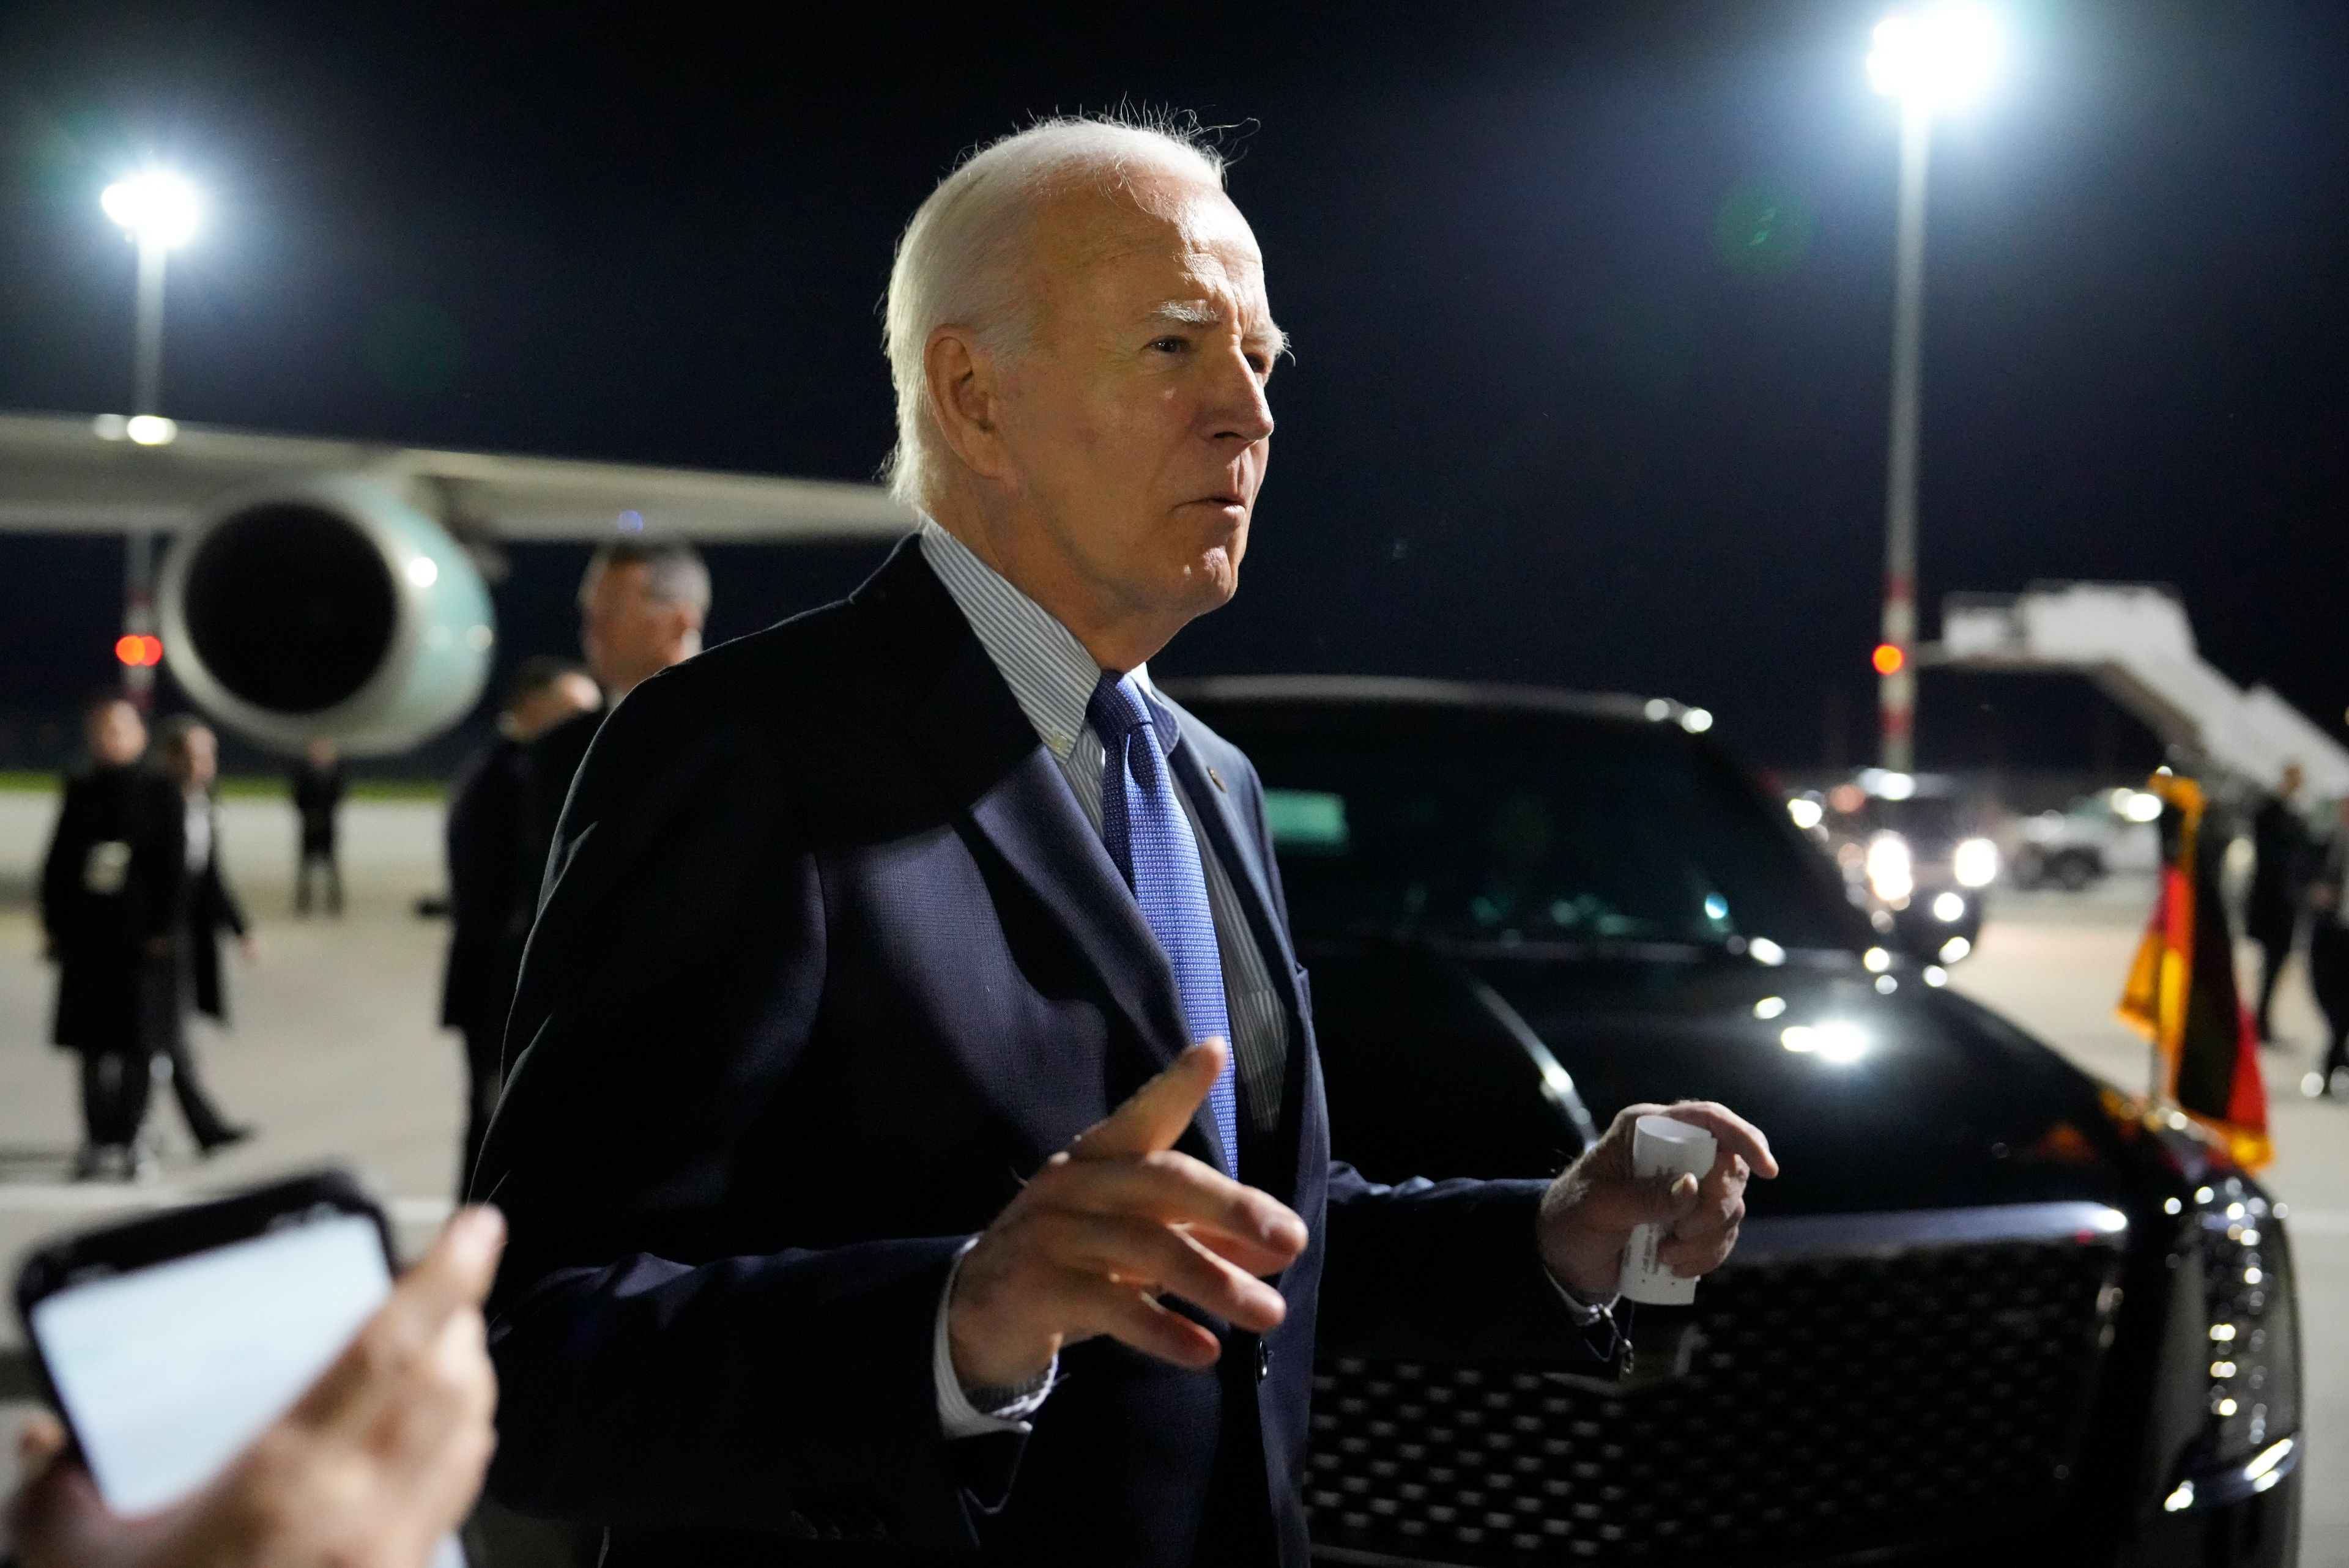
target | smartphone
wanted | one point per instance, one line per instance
(171, 1342)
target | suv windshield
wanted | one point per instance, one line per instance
(1484, 824)
(1925, 821)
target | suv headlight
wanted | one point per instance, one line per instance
(1974, 863)
(2254, 1348)
(1892, 871)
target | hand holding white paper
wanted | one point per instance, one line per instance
(1662, 1147)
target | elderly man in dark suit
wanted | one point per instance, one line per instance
(914, 1140)
(488, 841)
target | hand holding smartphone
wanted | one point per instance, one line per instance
(228, 1371)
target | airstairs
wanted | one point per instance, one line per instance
(2133, 640)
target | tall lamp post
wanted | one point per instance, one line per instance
(158, 210)
(1926, 59)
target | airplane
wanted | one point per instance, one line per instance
(338, 589)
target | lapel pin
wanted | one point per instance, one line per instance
(1218, 779)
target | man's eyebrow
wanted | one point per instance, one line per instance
(1186, 312)
(1183, 313)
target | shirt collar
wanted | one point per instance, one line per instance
(1051, 675)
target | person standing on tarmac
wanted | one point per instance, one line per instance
(2279, 884)
(487, 846)
(203, 907)
(642, 605)
(108, 889)
(318, 789)
(2328, 957)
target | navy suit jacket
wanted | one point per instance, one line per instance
(829, 960)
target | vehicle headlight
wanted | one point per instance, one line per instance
(1891, 870)
(1974, 863)
(1948, 908)
(1808, 814)
(2253, 1372)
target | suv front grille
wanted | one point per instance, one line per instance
(1828, 1400)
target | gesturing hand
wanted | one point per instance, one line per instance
(379, 1459)
(1589, 1212)
(1109, 1224)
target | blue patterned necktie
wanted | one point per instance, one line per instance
(1150, 840)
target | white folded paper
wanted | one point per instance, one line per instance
(1662, 1147)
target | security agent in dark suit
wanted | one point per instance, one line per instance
(2280, 875)
(109, 905)
(642, 605)
(205, 906)
(318, 785)
(881, 1184)
(492, 880)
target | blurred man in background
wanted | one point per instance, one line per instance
(642, 605)
(489, 884)
(108, 889)
(203, 907)
(318, 790)
(2279, 885)
(2328, 956)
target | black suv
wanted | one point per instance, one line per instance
(1993, 1310)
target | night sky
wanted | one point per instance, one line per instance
(1591, 305)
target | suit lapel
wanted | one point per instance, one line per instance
(973, 738)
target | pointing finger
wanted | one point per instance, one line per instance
(1156, 1114)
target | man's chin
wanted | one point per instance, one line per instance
(1211, 579)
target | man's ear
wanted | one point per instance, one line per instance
(965, 396)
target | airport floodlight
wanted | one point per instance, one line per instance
(1931, 58)
(1938, 56)
(157, 207)
(159, 211)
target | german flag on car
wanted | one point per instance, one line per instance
(2181, 988)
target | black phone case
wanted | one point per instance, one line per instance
(157, 1238)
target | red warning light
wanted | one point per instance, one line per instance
(1887, 659)
(139, 652)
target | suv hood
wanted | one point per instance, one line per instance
(1871, 1101)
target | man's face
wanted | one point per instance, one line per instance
(117, 736)
(628, 636)
(1134, 426)
(196, 761)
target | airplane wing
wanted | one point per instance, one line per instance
(78, 474)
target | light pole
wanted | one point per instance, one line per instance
(1927, 59)
(157, 210)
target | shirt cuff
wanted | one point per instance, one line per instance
(1586, 1313)
(978, 1413)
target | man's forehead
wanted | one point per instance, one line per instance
(1171, 250)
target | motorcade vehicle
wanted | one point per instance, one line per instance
(1913, 850)
(1993, 1311)
(2098, 835)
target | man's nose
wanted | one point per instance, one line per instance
(1238, 411)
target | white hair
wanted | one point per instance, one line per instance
(955, 260)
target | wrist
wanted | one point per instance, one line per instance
(990, 1369)
(984, 1356)
(1589, 1267)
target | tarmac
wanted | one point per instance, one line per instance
(337, 1054)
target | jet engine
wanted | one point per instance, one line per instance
(326, 607)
